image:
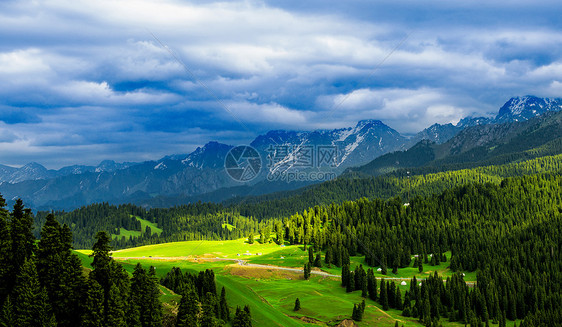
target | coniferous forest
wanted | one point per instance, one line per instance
(42, 283)
(507, 231)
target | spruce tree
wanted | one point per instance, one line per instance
(6, 259)
(371, 285)
(153, 316)
(60, 272)
(22, 239)
(242, 318)
(307, 270)
(31, 305)
(225, 311)
(350, 283)
(94, 310)
(345, 275)
(116, 308)
(297, 305)
(318, 261)
(328, 258)
(188, 310)
(383, 299)
(101, 264)
(7, 318)
(310, 255)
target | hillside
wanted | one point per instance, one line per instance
(478, 145)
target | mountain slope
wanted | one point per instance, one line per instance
(478, 145)
(187, 177)
(516, 109)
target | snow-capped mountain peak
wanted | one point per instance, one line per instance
(526, 107)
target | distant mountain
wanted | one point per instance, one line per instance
(477, 145)
(516, 109)
(524, 108)
(355, 145)
(188, 177)
(370, 145)
(34, 171)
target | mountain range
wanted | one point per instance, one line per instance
(201, 174)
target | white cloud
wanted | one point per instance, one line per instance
(93, 75)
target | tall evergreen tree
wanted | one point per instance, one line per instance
(242, 318)
(31, 305)
(94, 309)
(154, 306)
(7, 318)
(371, 284)
(188, 311)
(345, 275)
(22, 239)
(6, 259)
(60, 272)
(116, 308)
(297, 305)
(306, 270)
(224, 310)
(318, 261)
(101, 264)
(383, 299)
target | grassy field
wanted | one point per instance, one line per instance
(270, 293)
(135, 233)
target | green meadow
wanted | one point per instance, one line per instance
(269, 292)
(135, 233)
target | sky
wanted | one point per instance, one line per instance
(135, 80)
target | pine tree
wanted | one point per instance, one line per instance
(251, 238)
(145, 295)
(350, 283)
(7, 318)
(153, 315)
(328, 258)
(208, 314)
(116, 308)
(318, 261)
(242, 318)
(60, 272)
(371, 285)
(31, 306)
(310, 255)
(383, 299)
(307, 270)
(225, 312)
(188, 310)
(398, 299)
(22, 239)
(358, 310)
(391, 291)
(101, 264)
(297, 305)
(345, 275)
(94, 311)
(6, 259)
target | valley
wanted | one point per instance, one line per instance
(264, 281)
